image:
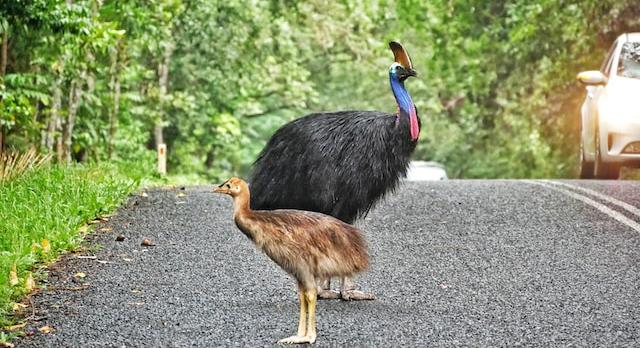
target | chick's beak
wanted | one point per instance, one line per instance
(219, 189)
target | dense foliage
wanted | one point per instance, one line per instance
(97, 80)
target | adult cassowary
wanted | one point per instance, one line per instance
(340, 163)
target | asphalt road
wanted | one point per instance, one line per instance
(455, 263)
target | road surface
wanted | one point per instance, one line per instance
(454, 263)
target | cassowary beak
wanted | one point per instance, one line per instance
(411, 72)
(219, 189)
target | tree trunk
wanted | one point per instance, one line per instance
(75, 94)
(2, 136)
(59, 142)
(163, 78)
(115, 91)
(113, 116)
(4, 52)
(53, 127)
(89, 77)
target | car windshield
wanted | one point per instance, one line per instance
(629, 65)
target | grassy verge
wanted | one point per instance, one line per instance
(41, 215)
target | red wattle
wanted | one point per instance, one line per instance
(413, 123)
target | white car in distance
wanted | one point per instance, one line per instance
(610, 135)
(426, 171)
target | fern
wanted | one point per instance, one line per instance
(32, 86)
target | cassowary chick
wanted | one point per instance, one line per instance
(308, 245)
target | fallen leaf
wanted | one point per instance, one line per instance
(46, 246)
(13, 276)
(7, 345)
(45, 329)
(136, 291)
(93, 222)
(106, 229)
(29, 283)
(15, 327)
(147, 242)
(18, 307)
(90, 257)
(80, 275)
(181, 194)
(135, 303)
(144, 194)
(104, 262)
(127, 259)
(67, 288)
(84, 228)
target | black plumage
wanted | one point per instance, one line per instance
(336, 163)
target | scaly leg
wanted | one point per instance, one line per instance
(325, 292)
(348, 291)
(312, 297)
(302, 324)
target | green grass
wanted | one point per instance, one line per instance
(52, 204)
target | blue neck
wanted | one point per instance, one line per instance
(402, 96)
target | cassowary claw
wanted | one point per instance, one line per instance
(327, 294)
(357, 295)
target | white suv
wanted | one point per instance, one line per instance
(611, 112)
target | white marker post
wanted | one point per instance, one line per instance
(162, 159)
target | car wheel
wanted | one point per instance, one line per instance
(586, 167)
(601, 169)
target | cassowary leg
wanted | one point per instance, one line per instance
(302, 324)
(307, 318)
(348, 291)
(312, 296)
(325, 292)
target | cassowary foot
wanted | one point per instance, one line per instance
(356, 295)
(297, 340)
(328, 294)
(348, 292)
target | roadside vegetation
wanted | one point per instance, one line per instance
(44, 212)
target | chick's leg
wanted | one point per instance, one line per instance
(325, 292)
(309, 298)
(348, 291)
(302, 324)
(311, 324)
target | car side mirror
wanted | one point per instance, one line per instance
(592, 78)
